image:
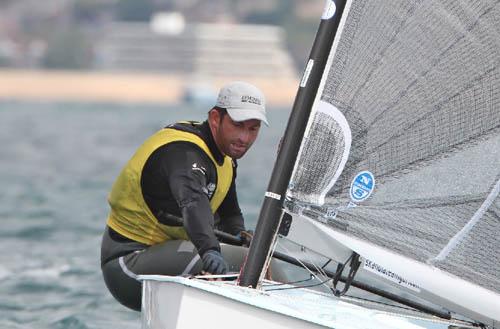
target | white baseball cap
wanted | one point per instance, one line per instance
(242, 101)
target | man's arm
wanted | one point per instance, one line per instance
(188, 169)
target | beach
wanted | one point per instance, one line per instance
(126, 87)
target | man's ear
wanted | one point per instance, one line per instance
(214, 118)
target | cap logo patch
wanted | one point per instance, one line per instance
(250, 99)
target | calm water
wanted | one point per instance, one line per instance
(57, 163)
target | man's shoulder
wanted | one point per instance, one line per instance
(194, 127)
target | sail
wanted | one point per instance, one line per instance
(402, 148)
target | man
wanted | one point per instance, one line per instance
(188, 170)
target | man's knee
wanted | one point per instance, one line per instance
(122, 287)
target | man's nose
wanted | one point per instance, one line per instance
(245, 136)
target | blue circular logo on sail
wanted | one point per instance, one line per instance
(362, 186)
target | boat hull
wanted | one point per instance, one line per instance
(172, 305)
(181, 303)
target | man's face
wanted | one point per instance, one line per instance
(233, 138)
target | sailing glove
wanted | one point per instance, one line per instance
(214, 263)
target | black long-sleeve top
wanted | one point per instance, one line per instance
(179, 179)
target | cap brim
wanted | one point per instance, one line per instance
(246, 114)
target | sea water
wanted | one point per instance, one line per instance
(57, 164)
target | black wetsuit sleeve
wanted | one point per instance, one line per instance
(188, 170)
(231, 219)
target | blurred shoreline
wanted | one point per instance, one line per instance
(125, 87)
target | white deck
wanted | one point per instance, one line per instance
(176, 302)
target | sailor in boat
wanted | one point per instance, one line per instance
(185, 170)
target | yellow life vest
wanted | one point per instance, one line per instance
(131, 217)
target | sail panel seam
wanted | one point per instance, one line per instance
(468, 227)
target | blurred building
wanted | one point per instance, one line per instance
(167, 44)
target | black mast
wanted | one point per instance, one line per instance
(272, 207)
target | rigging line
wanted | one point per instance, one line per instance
(323, 268)
(368, 301)
(290, 282)
(373, 290)
(267, 262)
(310, 251)
(453, 242)
(319, 270)
(326, 264)
(307, 268)
(322, 274)
(365, 300)
(314, 275)
(300, 287)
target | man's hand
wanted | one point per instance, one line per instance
(213, 262)
(246, 237)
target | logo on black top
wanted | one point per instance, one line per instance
(197, 167)
(209, 189)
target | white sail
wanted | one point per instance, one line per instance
(418, 83)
